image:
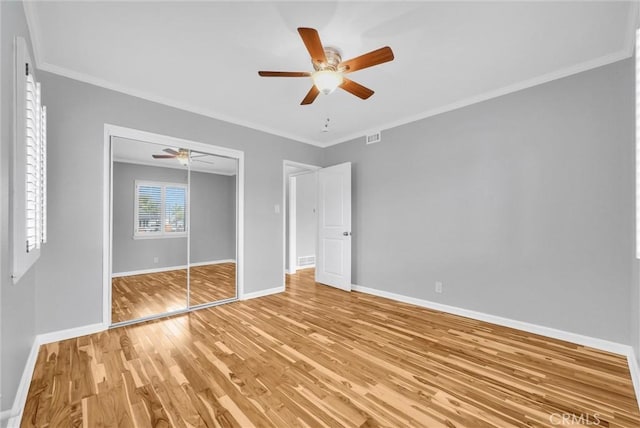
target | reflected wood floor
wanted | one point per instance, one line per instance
(211, 283)
(316, 356)
(139, 296)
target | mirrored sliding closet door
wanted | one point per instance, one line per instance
(174, 229)
(212, 241)
(149, 230)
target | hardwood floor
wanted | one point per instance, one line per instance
(139, 296)
(316, 356)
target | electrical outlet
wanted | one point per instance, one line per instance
(438, 287)
(156, 260)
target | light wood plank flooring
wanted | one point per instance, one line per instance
(139, 296)
(316, 356)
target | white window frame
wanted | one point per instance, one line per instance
(29, 190)
(162, 233)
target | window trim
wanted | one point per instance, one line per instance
(162, 234)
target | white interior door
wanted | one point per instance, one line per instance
(333, 258)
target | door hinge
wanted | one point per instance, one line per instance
(26, 68)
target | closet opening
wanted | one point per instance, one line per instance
(173, 229)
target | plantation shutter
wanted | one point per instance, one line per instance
(43, 175)
(149, 204)
(35, 171)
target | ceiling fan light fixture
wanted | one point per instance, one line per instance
(327, 80)
(183, 159)
(329, 68)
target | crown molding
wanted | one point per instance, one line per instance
(505, 90)
(82, 77)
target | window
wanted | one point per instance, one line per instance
(30, 166)
(160, 210)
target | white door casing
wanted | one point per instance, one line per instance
(333, 256)
(292, 226)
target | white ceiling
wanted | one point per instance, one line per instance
(204, 56)
(139, 152)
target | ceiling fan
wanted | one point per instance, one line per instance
(182, 155)
(330, 69)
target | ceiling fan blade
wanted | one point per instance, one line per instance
(311, 96)
(284, 73)
(356, 89)
(370, 59)
(173, 152)
(163, 156)
(313, 44)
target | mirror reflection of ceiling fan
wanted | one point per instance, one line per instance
(183, 156)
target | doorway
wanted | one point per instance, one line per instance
(173, 228)
(325, 196)
(300, 223)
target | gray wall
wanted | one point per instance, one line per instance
(523, 206)
(213, 217)
(137, 254)
(306, 215)
(18, 302)
(70, 272)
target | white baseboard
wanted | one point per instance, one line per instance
(15, 414)
(70, 333)
(306, 267)
(169, 268)
(213, 262)
(263, 293)
(146, 271)
(634, 369)
(288, 272)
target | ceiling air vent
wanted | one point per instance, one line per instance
(373, 138)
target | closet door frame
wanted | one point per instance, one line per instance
(107, 232)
